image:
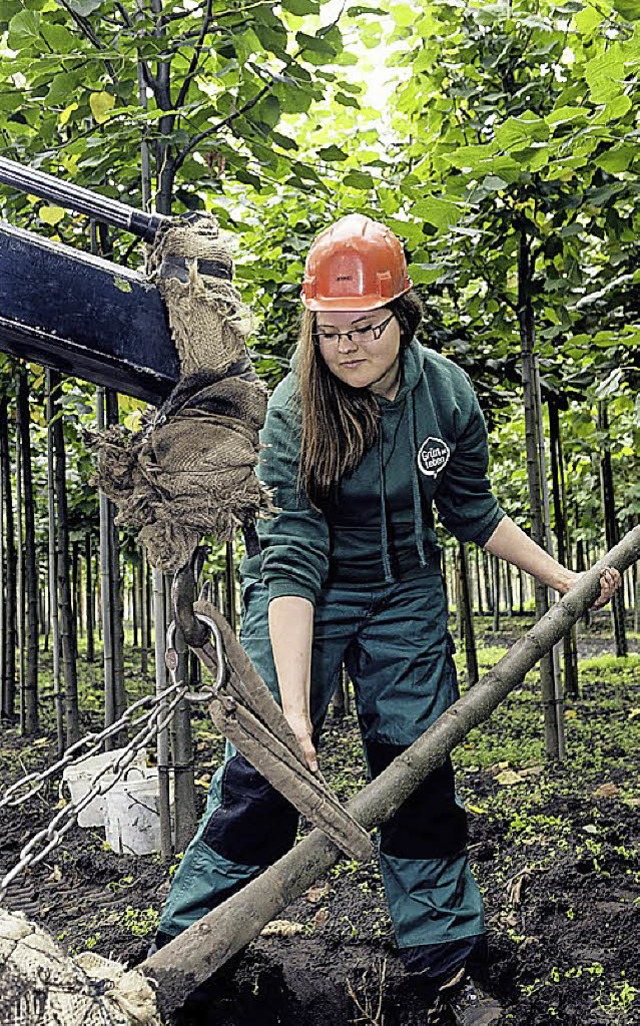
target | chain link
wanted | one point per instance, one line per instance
(53, 834)
(72, 754)
(157, 716)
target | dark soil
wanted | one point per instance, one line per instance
(556, 853)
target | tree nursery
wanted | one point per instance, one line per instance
(319, 512)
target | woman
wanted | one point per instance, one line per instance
(366, 433)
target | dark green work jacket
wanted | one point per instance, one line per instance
(431, 449)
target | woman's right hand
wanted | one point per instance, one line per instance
(301, 727)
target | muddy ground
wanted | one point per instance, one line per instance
(555, 850)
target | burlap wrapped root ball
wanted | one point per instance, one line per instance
(42, 986)
(191, 471)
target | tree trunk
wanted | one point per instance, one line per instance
(571, 685)
(182, 752)
(162, 739)
(206, 945)
(88, 593)
(611, 524)
(106, 591)
(478, 582)
(67, 634)
(488, 590)
(135, 604)
(145, 613)
(20, 578)
(11, 566)
(117, 588)
(53, 566)
(495, 577)
(466, 614)
(552, 708)
(30, 682)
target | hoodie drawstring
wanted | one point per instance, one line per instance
(384, 527)
(417, 500)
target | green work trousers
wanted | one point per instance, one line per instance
(393, 640)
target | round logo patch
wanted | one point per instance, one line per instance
(433, 456)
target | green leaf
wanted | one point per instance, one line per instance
(283, 141)
(332, 153)
(273, 37)
(301, 7)
(518, 133)
(565, 116)
(358, 180)
(268, 111)
(403, 15)
(628, 9)
(471, 157)
(616, 159)
(587, 20)
(59, 38)
(51, 215)
(101, 103)
(315, 44)
(347, 101)
(613, 110)
(425, 274)
(441, 213)
(84, 7)
(605, 76)
(24, 29)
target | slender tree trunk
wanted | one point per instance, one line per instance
(162, 740)
(106, 591)
(611, 523)
(145, 613)
(67, 633)
(488, 589)
(562, 541)
(509, 589)
(30, 683)
(479, 583)
(117, 586)
(182, 749)
(77, 588)
(552, 706)
(53, 565)
(88, 600)
(20, 580)
(495, 578)
(466, 614)
(10, 566)
(135, 605)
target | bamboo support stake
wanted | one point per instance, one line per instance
(197, 953)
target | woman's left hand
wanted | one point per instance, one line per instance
(610, 581)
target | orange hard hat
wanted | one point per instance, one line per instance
(355, 264)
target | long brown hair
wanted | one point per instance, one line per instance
(339, 423)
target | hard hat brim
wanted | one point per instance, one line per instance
(345, 304)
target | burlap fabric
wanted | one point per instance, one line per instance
(41, 986)
(190, 471)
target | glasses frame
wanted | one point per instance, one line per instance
(377, 329)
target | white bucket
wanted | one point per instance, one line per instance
(132, 816)
(80, 777)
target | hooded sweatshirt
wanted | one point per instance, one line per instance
(431, 448)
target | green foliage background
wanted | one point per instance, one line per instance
(498, 119)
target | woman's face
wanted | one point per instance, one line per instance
(361, 360)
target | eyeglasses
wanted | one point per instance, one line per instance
(358, 336)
